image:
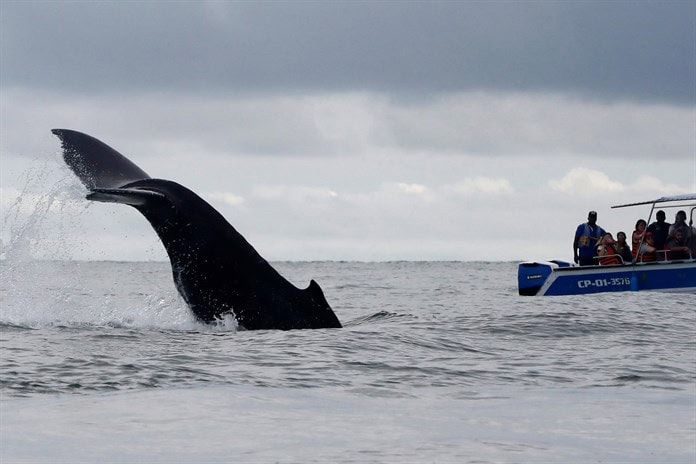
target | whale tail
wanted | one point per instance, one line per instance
(215, 269)
(97, 165)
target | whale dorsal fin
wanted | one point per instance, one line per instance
(95, 163)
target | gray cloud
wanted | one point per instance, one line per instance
(359, 130)
(340, 125)
(617, 50)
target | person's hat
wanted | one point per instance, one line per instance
(592, 214)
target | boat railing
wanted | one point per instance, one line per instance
(665, 256)
(598, 259)
(639, 259)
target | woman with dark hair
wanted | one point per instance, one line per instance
(679, 224)
(622, 248)
(637, 236)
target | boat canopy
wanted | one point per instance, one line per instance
(684, 197)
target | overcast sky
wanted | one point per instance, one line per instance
(351, 130)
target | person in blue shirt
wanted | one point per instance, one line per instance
(586, 237)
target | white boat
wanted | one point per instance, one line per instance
(665, 274)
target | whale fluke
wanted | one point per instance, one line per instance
(95, 163)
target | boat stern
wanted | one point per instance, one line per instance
(531, 275)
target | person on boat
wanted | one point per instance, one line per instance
(647, 253)
(606, 250)
(587, 236)
(688, 231)
(637, 236)
(660, 231)
(622, 248)
(678, 246)
(679, 224)
(692, 239)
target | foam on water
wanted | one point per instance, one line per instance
(40, 294)
(41, 221)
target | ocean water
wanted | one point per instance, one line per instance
(438, 362)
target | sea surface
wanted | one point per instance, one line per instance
(438, 362)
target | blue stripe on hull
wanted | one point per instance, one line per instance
(684, 277)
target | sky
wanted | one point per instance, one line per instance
(350, 130)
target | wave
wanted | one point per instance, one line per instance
(379, 316)
(11, 327)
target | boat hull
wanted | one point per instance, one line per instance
(559, 278)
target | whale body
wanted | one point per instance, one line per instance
(215, 269)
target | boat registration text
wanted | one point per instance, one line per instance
(610, 282)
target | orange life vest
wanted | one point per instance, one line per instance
(610, 257)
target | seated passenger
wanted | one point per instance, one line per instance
(637, 236)
(607, 251)
(678, 246)
(622, 248)
(679, 224)
(647, 252)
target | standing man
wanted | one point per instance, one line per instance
(660, 231)
(586, 237)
